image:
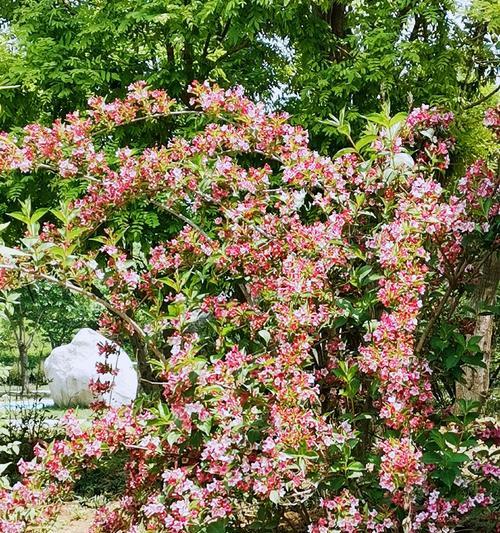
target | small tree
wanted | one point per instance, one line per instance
(13, 317)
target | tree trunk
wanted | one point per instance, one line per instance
(145, 373)
(336, 18)
(22, 348)
(23, 363)
(477, 379)
(335, 15)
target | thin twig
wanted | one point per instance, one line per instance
(483, 99)
(153, 382)
(195, 226)
(207, 44)
(442, 303)
(183, 218)
(306, 512)
(143, 118)
(228, 214)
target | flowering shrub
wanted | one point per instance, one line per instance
(287, 321)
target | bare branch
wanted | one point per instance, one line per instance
(483, 99)
(185, 219)
(440, 307)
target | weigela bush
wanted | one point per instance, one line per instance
(286, 320)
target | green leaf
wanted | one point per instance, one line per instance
(356, 466)
(452, 438)
(363, 271)
(11, 252)
(173, 437)
(339, 322)
(364, 141)
(378, 118)
(451, 361)
(404, 160)
(457, 458)
(38, 214)
(336, 483)
(19, 216)
(400, 117)
(345, 129)
(205, 426)
(460, 339)
(265, 335)
(344, 151)
(432, 458)
(216, 527)
(447, 476)
(437, 343)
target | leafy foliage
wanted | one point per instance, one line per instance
(315, 55)
(313, 58)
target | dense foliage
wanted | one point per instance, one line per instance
(310, 58)
(289, 319)
(321, 54)
(34, 320)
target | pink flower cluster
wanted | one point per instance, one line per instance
(424, 117)
(492, 120)
(343, 513)
(401, 467)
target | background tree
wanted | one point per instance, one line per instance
(38, 318)
(359, 54)
(57, 313)
(317, 57)
(476, 380)
(61, 52)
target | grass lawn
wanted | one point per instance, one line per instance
(50, 411)
(80, 412)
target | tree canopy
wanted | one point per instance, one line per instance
(318, 56)
(311, 58)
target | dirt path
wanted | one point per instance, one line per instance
(74, 518)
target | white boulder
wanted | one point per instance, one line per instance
(69, 369)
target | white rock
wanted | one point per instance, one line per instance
(69, 369)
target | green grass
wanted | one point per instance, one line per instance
(80, 412)
(55, 412)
